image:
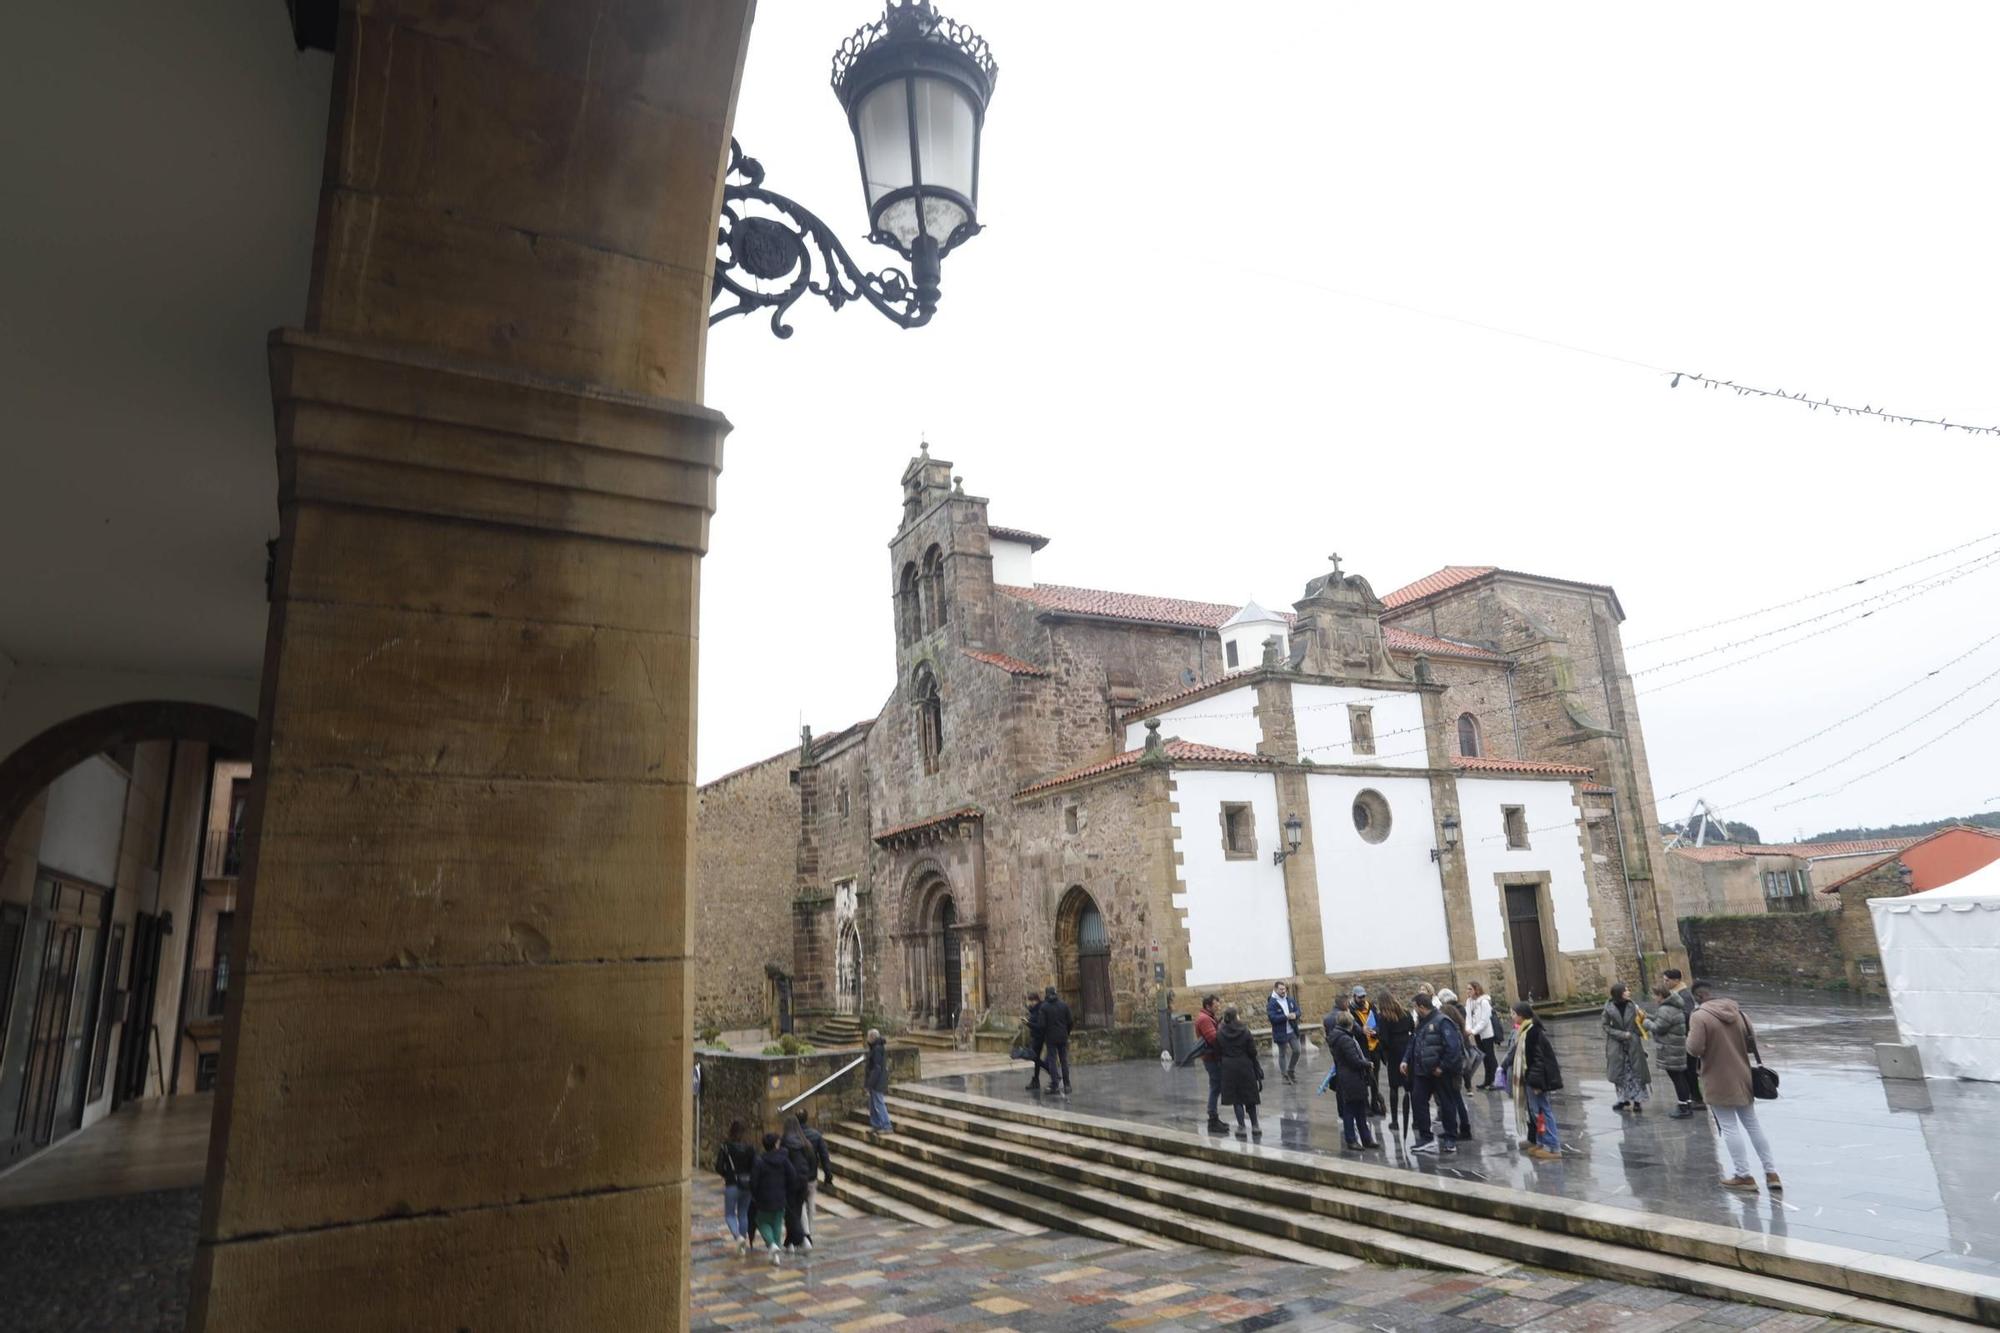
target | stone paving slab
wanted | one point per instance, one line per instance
(103, 1264)
(877, 1273)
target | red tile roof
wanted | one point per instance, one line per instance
(1211, 615)
(1598, 789)
(1221, 685)
(1179, 752)
(1532, 767)
(1012, 665)
(1457, 576)
(1448, 577)
(1400, 640)
(1124, 605)
(1035, 541)
(1724, 851)
(1940, 858)
(949, 817)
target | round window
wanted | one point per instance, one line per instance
(1371, 816)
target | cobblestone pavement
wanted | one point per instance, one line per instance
(115, 1265)
(874, 1273)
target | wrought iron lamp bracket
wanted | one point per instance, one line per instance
(784, 243)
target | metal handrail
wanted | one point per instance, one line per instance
(848, 1068)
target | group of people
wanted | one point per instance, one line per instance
(1044, 1034)
(1429, 1053)
(1708, 1048)
(771, 1195)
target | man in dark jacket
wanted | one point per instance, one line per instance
(772, 1181)
(1684, 997)
(1056, 1023)
(1038, 1040)
(875, 1078)
(1205, 1030)
(1435, 1056)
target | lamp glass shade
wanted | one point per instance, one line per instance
(927, 180)
(1294, 832)
(1450, 826)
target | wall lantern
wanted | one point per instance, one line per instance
(1295, 833)
(915, 87)
(1449, 827)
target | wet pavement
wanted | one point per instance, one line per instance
(1896, 1168)
(876, 1273)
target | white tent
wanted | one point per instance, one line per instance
(1941, 958)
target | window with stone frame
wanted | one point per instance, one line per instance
(1069, 819)
(1239, 831)
(1361, 728)
(909, 614)
(1468, 735)
(1516, 820)
(1229, 654)
(843, 800)
(934, 608)
(930, 718)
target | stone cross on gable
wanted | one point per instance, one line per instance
(1335, 557)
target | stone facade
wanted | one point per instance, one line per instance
(742, 917)
(1067, 787)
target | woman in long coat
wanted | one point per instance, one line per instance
(1242, 1073)
(1625, 1050)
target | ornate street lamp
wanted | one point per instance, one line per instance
(1449, 827)
(915, 86)
(1295, 832)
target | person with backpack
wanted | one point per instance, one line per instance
(735, 1161)
(1535, 1074)
(1206, 1030)
(771, 1184)
(1349, 1080)
(1722, 1039)
(807, 1151)
(1056, 1023)
(1282, 1011)
(875, 1078)
(1432, 1064)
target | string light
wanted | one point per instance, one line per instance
(1838, 409)
(1907, 754)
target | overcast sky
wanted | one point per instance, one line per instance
(1159, 353)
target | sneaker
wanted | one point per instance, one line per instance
(1448, 1148)
(777, 1257)
(1681, 1112)
(1350, 1145)
(1541, 1154)
(1256, 1133)
(1242, 1133)
(1772, 1183)
(1216, 1126)
(1740, 1183)
(1370, 1145)
(1428, 1145)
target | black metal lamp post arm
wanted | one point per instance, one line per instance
(782, 249)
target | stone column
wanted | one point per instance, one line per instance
(1280, 741)
(1453, 884)
(455, 1086)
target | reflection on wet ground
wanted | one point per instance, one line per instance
(1896, 1168)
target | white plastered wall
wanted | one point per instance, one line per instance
(1249, 640)
(1381, 904)
(1228, 719)
(1013, 564)
(1235, 911)
(85, 821)
(1320, 714)
(1557, 846)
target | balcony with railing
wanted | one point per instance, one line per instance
(223, 857)
(208, 988)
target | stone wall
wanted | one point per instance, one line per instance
(746, 1086)
(1781, 949)
(746, 876)
(1854, 924)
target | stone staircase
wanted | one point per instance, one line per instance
(961, 1157)
(840, 1030)
(929, 1039)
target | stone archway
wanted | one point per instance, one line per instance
(52, 753)
(932, 966)
(847, 971)
(1083, 959)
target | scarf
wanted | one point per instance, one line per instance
(1517, 1080)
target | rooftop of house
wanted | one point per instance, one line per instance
(1034, 541)
(1806, 851)
(1176, 751)
(1941, 858)
(1452, 578)
(1144, 609)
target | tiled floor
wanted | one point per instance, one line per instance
(153, 1145)
(1895, 1168)
(871, 1273)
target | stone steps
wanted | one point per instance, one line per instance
(835, 1032)
(856, 1196)
(981, 1202)
(1376, 1212)
(928, 1040)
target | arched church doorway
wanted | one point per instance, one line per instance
(847, 971)
(931, 952)
(945, 949)
(1083, 958)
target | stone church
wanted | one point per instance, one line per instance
(1139, 798)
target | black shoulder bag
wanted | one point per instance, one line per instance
(1763, 1079)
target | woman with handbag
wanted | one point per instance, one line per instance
(1722, 1039)
(1625, 1065)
